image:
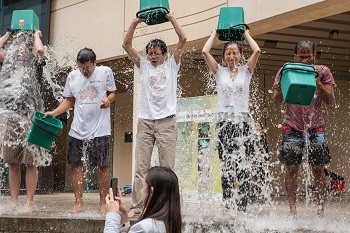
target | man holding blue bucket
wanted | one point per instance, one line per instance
(21, 60)
(304, 126)
(90, 90)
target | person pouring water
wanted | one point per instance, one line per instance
(306, 124)
(156, 116)
(235, 126)
(22, 58)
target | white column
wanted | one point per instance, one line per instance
(136, 103)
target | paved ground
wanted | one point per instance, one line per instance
(51, 215)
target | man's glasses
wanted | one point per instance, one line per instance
(86, 68)
(302, 58)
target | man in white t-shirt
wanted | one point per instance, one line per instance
(90, 90)
(157, 123)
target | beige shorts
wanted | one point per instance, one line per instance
(16, 149)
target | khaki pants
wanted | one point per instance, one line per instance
(163, 132)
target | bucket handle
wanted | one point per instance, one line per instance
(46, 131)
(297, 69)
(241, 24)
(151, 8)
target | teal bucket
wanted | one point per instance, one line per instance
(231, 24)
(298, 83)
(153, 11)
(26, 20)
(44, 130)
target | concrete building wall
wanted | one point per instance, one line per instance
(101, 24)
(97, 24)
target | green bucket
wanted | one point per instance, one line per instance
(298, 83)
(25, 20)
(153, 11)
(231, 24)
(44, 130)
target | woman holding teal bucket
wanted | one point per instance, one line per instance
(234, 127)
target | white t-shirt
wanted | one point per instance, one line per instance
(233, 93)
(90, 121)
(158, 95)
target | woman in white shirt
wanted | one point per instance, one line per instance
(234, 127)
(162, 212)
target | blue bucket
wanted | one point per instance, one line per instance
(298, 83)
(44, 130)
(153, 11)
(231, 24)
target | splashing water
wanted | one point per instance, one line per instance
(200, 170)
(21, 84)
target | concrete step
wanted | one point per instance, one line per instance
(50, 215)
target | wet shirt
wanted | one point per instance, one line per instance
(90, 120)
(233, 93)
(307, 117)
(158, 95)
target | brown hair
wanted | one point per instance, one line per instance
(164, 203)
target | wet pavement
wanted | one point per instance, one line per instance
(50, 215)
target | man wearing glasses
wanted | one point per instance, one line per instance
(156, 117)
(306, 123)
(91, 90)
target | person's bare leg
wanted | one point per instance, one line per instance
(14, 182)
(31, 183)
(103, 184)
(320, 188)
(77, 178)
(291, 187)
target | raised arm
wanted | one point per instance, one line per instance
(38, 45)
(127, 43)
(181, 34)
(3, 40)
(256, 51)
(209, 59)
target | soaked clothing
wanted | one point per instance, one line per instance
(304, 125)
(157, 121)
(20, 97)
(158, 95)
(235, 151)
(90, 120)
(15, 148)
(234, 135)
(94, 152)
(307, 117)
(233, 93)
(294, 142)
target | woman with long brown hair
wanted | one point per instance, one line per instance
(162, 210)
